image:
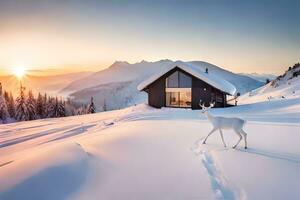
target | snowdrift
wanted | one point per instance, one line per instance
(145, 153)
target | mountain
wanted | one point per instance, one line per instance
(260, 77)
(116, 86)
(50, 84)
(118, 72)
(285, 86)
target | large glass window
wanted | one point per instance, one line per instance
(178, 98)
(172, 81)
(172, 99)
(185, 81)
(178, 80)
(178, 90)
(185, 99)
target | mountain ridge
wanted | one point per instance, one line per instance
(104, 85)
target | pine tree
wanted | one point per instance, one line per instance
(56, 108)
(49, 106)
(11, 106)
(21, 108)
(81, 110)
(45, 99)
(3, 107)
(91, 108)
(3, 110)
(40, 106)
(61, 108)
(6, 96)
(55, 112)
(31, 106)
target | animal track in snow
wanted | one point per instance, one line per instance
(223, 190)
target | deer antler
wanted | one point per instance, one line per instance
(201, 104)
(211, 104)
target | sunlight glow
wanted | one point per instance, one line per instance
(19, 72)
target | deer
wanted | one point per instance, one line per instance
(221, 123)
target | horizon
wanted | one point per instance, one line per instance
(242, 37)
(55, 71)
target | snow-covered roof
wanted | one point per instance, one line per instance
(215, 81)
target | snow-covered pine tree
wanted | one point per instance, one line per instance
(45, 99)
(91, 108)
(21, 108)
(40, 106)
(49, 102)
(3, 107)
(81, 110)
(11, 106)
(56, 108)
(31, 106)
(3, 110)
(61, 108)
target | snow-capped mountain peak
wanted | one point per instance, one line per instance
(116, 86)
(119, 64)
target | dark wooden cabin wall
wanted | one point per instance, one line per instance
(198, 93)
(156, 93)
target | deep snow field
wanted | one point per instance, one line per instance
(145, 153)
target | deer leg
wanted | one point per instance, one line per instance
(214, 129)
(222, 137)
(245, 137)
(240, 138)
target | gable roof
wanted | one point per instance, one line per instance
(196, 71)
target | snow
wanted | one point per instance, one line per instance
(146, 153)
(260, 77)
(287, 87)
(209, 78)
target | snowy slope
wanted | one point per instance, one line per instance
(118, 72)
(146, 153)
(111, 96)
(122, 72)
(260, 77)
(284, 86)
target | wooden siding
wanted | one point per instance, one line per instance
(206, 93)
(156, 93)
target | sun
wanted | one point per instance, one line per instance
(19, 72)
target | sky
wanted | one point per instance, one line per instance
(260, 36)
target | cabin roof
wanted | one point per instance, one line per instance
(213, 80)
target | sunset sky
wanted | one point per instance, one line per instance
(74, 35)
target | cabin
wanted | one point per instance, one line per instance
(184, 85)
